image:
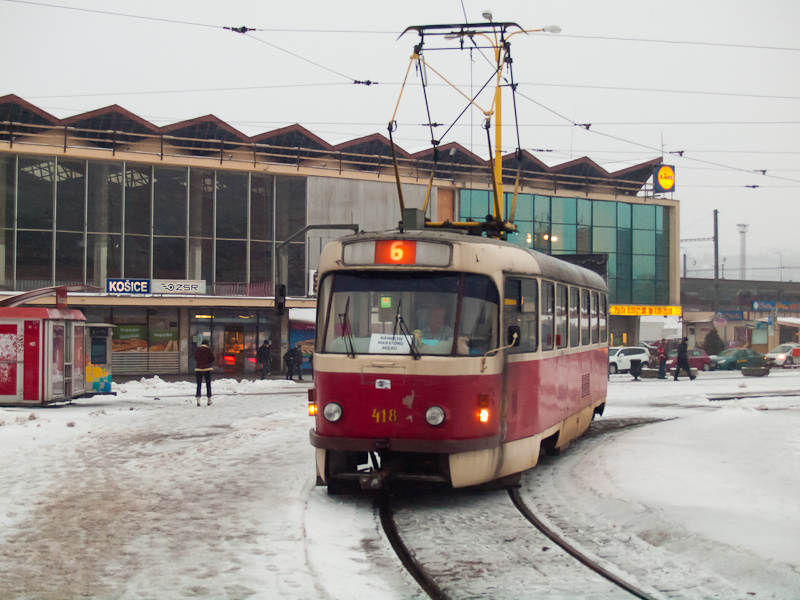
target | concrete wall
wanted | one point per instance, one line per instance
(372, 205)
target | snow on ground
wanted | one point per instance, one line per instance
(146, 495)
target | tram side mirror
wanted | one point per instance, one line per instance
(513, 331)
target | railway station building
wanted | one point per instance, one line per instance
(192, 230)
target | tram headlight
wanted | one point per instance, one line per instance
(332, 412)
(434, 415)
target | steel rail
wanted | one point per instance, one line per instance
(572, 551)
(416, 570)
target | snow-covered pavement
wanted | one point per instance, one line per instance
(145, 495)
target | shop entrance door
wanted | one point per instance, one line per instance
(233, 349)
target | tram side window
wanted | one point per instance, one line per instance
(521, 309)
(585, 317)
(548, 313)
(604, 318)
(595, 318)
(574, 317)
(561, 316)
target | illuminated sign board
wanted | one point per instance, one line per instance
(769, 305)
(155, 286)
(630, 310)
(403, 253)
(127, 286)
(664, 179)
(395, 252)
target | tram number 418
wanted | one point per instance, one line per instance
(384, 416)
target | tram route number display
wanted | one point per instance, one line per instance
(395, 252)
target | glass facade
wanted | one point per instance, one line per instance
(634, 236)
(75, 221)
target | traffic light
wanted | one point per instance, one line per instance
(280, 300)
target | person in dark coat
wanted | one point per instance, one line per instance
(662, 360)
(263, 357)
(290, 359)
(683, 359)
(204, 363)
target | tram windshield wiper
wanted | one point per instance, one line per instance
(344, 319)
(399, 323)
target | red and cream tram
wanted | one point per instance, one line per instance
(452, 358)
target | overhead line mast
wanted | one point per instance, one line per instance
(497, 35)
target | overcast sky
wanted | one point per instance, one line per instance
(718, 80)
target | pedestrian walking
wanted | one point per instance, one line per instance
(662, 360)
(263, 357)
(683, 359)
(204, 363)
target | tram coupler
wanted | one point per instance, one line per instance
(373, 481)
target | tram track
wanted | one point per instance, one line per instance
(485, 520)
(427, 578)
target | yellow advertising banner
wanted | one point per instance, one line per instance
(630, 310)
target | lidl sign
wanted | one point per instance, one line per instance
(664, 179)
(630, 310)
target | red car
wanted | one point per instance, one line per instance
(698, 359)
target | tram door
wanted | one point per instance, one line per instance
(11, 356)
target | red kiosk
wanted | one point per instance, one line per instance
(41, 349)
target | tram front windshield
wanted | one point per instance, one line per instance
(408, 313)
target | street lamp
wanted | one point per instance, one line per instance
(780, 254)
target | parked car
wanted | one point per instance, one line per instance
(698, 359)
(736, 358)
(782, 356)
(619, 359)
